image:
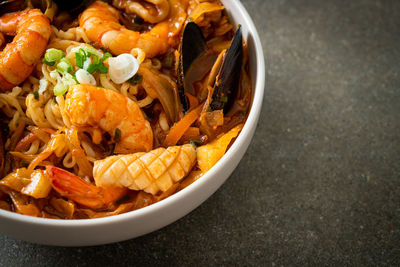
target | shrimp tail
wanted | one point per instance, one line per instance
(76, 189)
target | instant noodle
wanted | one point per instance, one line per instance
(111, 107)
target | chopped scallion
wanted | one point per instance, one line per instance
(92, 68)
(112, 149)
(101, 69)
(168, 61)
(69, 79)
(35, 94)
(117, 135)
(136, 79)
(195, 143)
(94, 57)
(60, 89)
(52, 55)
(80, 59)
(64, 66)
(105, 56)
(224, 99)
(48, 62)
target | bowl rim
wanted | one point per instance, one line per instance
(247, 132)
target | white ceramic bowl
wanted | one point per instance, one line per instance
(143, 221)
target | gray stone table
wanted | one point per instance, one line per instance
(319, 184)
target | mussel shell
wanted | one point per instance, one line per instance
(8, 6)
(74, 7)
(192, 46)
(228, 77)
(48, 7)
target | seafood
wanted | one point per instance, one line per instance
(92, 106)
(227, 80)
(193, 45)
(148, 14)
(100, 22)
(156, 170)
(18, 58)
(224, 77)
(131, 102)
(8, 6)
(76, 189)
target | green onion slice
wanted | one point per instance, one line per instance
(117, 135)
(64, 66)
(136, 79)
(195, 143)
(35, 94)
(60, 89)
(52, 55)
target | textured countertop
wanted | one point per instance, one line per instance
(320, 181)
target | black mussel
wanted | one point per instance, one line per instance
(73, 7)
(196, 59)
(48, 7)
(192, 46)
(8, 6)
(228, 77)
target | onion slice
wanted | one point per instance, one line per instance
(122, 68)
(85, 77)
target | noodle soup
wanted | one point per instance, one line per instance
(123, 107)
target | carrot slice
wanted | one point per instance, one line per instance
(180, 127)
(193, 101)
(192, 131)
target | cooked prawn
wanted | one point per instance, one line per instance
(101, 24)
(156, 170)
(18, 58)
(92, 106)
(159, 169)
(76, 189)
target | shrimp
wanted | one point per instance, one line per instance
(76, 189)
(18, 58)
(156, 170)
(92, 106)
(101, 24)
(159, 169)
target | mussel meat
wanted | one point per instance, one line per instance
(225, 84)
